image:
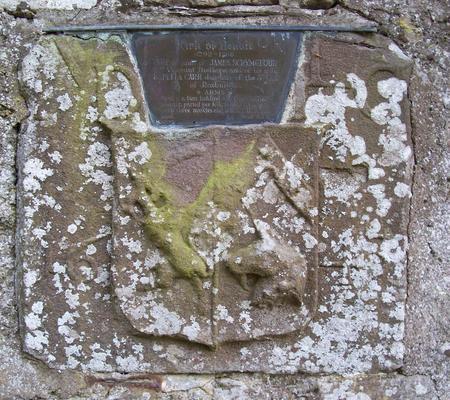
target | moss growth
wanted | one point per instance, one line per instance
(168, 226)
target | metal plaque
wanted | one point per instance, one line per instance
(202, 78)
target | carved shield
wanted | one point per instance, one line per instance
(215, 233)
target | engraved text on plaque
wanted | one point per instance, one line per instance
(203, 78)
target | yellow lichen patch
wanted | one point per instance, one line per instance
(410, 31)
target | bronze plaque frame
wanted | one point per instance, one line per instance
(207, 78)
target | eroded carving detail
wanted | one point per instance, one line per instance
(194, 240)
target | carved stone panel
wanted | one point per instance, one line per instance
(215, 229)
(272, 247)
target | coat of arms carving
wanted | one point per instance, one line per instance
(214, 235)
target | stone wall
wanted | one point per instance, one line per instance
(392, 341)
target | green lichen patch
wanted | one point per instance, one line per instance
(167, 225)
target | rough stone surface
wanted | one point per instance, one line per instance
(418, 31)
(311, 4)
(221, 237)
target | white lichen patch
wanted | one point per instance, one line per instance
(38, 61)
(99, 359)
(388, 114)
(223, 216)
(134, 246)
(211, 227)
(383, 203)
(310, 240)
(96, 168)
(119, 99)
(344, 390)
(35, 174)
(342, 334)
(402, 190)
(141, 154)
(72, 298)
(165, 322)
(29, 279)
(72, 228)
(192, 331)
(322, 110)
(64, 101)
(393, 251)
(65, 323)
(341, 186)
(36, 337)
(90, 250)
(40, 232)
(92, 114)
(126, 158)
(33, 320)
(245, 318)
(373, 231)
(36, 340)
(55, 157)
(50, 4)
(222, 314)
